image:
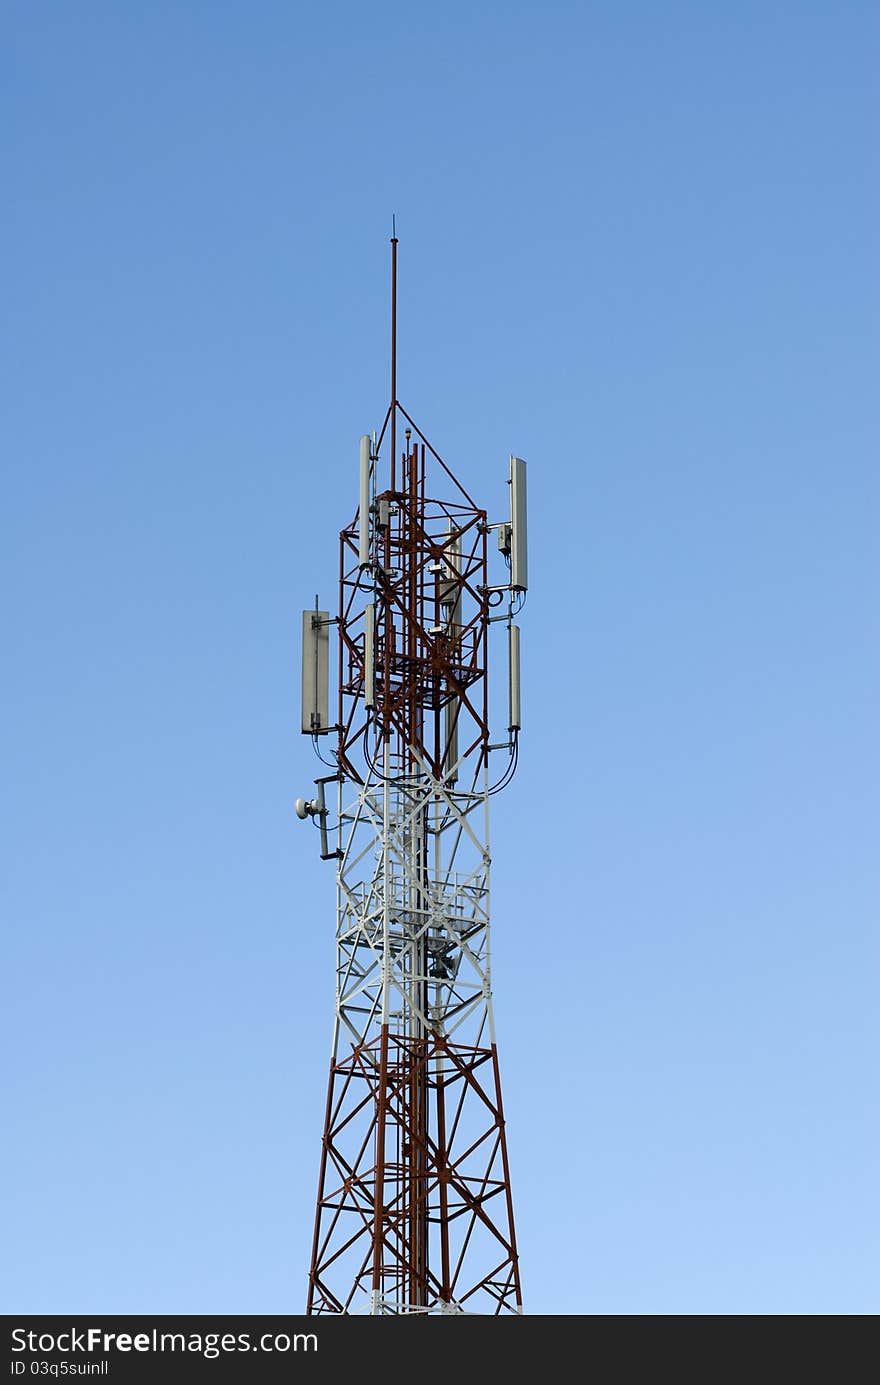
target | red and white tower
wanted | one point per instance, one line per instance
(414, 1212)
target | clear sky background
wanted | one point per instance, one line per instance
(638, 247)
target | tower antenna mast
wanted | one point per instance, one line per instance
(414, 1210)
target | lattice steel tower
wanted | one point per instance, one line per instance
(414, 1210)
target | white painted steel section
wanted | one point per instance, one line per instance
(412, 944)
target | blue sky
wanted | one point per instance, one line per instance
(638, 248)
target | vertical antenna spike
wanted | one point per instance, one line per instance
(393, 350)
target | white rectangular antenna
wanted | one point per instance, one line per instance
(370, 657)
(315, 672)
(450, 590)
(364, 506)
(453, 707)
(519, 562)
(515, 718)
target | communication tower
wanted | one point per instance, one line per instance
(414, 1210)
